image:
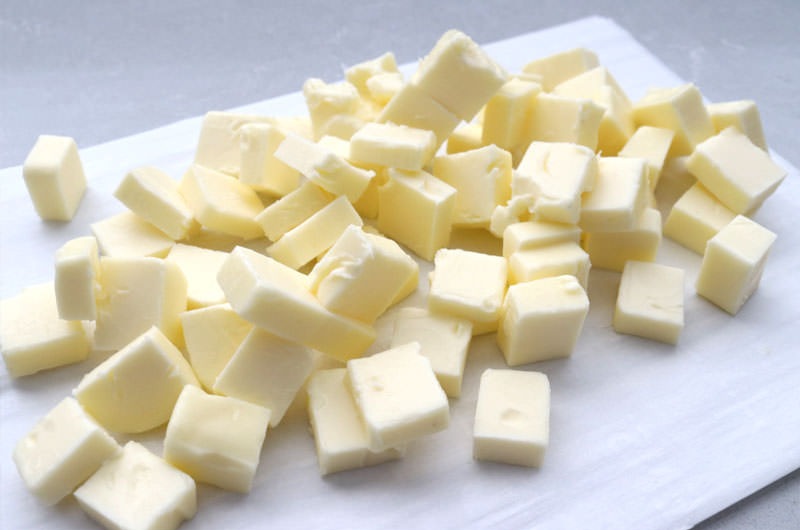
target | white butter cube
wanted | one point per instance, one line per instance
(542, 319)
(135, 389)
(339, 433)
(535, 234)
(562, 119)
(216, 439)
(557, 174)
(259, 168)
(200, 267)
(362, 274)
(32, 335)
(733, 263)
(138, 293)
(126, 235)
(559, 67)
(292, 209)
(412, 107)
(153, 196)
(738, 173)
(397, 396)
(218, 146)
(652, 144)
(469, 285)
(482, 178)
(359, 75)
(466, 138)
(743, 115)
(212, 335)
(550, 260)
(62, 450)
(680, 109)
(76, 285)
(507, 112)
(512, 417)
(696, 217)
(610, 250)
(138, 490)
(432, 202)
(54, 177)
(390, 145)
(383, 87)
(618, 198)
(266, 370)
(278, 299)
(650, 302)
(327, 103)
(222, 203)
(443, 339)
(459, 74)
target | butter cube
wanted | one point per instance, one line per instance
(459, 74)
(696, 218)
(326, 102)
(216, 439)
(432, 202)
(557, 174)
(339, 433)
(32, 335)
(412, 107)
(650, 302)
(550, 260)
(675, 180)
(154, 197)
(482, 178)
(76, 283)
(618, 198)
(138, 293)
(299, 125)
(278, 299)
(292, 209)
(137, 489)
(466, 138)
(218, 147)
(652, 144)
(610, 250)
(200, 267)
(443, 339)
(222, 203)
(535, 234)
(733, 263)
(259, 168)
(512, 417)
(54, 177)
(360, 74)
(362, 274)
(62, 450)
(557, 68)
(507, 113)
(516, 210)
(743, 115)
(383, 87)
(561, 119)
(680, 109)
(126, 235)
(135, 389)
(737, 172)
(397, 396)
(468, 285)
(212, 335)
(542, 319)
(392, 145)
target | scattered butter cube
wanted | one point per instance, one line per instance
(32, 335)
(383, 87)
(559, 67)
(542, 319)
(328, 103)
(390, 145)
(200, 266)
(292, 209)
(76, 279)
(743, 115)
(216, 439)
(610, 250)
(507, 113)
(412, 107)
(696, 217)
(127, 235)
(557, 259)
(562, 119)
(618, 198)
(652, 144)
(397, 396)
(512, 417)
(733, 263)
(535, 234)
(359, 75)
(675, 180)
(465, 138)
(61, 451)
(259, 168)
(54, 177)
(218, 147)
(650, 302)
(516, 210)
(138, 490)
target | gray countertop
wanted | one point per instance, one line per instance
(100, 70)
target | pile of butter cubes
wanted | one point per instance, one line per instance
(214, 331)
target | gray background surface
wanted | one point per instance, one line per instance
(99, 70)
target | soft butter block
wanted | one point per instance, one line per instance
(696, 217)
(743, 115)
(559, 67)
(465, 138)
(650, 302)
(618, 198)
(610, 250)
(383, 87)
(220, 137)
(562, 119)
(292, 209)
(259, 168)
(652, 144)
(507, 112)
(330, 106)
(359, 75)
(535, 234)
(127, 235)
(412, 107)
(398, 146)
(557, 259)
(76, 279)
(200, 267)
(516, 210)
(54, 177)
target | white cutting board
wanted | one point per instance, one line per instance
(644, 435)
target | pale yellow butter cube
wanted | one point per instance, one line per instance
(550, 260)
(512, 417)
(611, 250)
(200, 267)
(359, 75)
(737, 172)
(127, 235)
(559, 67)
(535, 234)
(619, 195)
(76, 279)
(383, 87)
(412, 107)
(32, 335)
(259, 168)
(292, 209)
(743, 115)
(216, 439)
(135, 389)
(696, 217)
(542, 319)
(54, 177)
(299, 125)
(392, 145)
(367, 204)
(652, 144)
(562, 119)
(507, 112)
(329, 104)
(466, 138)
(675, 180)
(516, 210)
(218, 147)
(650, 302)
(733, 263)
